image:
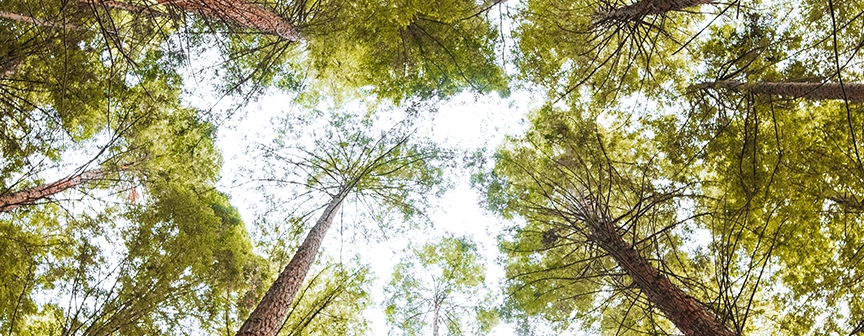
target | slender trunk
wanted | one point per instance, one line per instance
(679, 307)
(435, 319)
(241, 13)
(643, 8)
(32, 195)
(813, 91)
(38, 22)
(266, 319)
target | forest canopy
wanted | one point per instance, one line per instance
(443, 167)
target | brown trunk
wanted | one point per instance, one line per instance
(35, 21)
(32, 195)
(813, 91)
(268, 317)
(241, 13)
(679, 307)
(643, 8)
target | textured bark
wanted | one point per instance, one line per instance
(268, 317)
(241, 13)
(32, 195)
(807, 90)
(679, 307)
(643, 8)
(38, 22)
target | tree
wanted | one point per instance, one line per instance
(782, 172)
(147, 264)
(398, 49)
(444, 279)
(242, 13)
(41, 192)
(782, 196)
(638, 10)
(331, 302)
(347, 160)
(178, 256)
(603, 52)
(594, 209)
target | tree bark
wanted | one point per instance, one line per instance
(643, 8)
(679, 307)
(813, 91)
(269, 315)
(435, 319)
(241, 13)
(32, 195)
(38, 22)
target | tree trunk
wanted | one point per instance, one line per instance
(813, 91)
(267, 318)
(435, 319)
(241, 13)
(38, 22)
(679, 307)
(32, 195)
(643, 8)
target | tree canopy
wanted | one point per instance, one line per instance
(681, 167)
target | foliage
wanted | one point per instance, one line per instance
(749, 203)
(441, 286)
(331, 302)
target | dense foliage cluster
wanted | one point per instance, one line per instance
(693, 166)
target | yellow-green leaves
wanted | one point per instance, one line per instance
(440, 287)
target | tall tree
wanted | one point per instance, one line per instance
(602, 51)
(638, 10)
(347, 160)
(331, 302)
(783, 172)
(594, 212)
(242, 13)
(112, 264)
(452, 300)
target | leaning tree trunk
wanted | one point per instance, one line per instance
(32, 195)
(642, 8)
(679, 307)
(239, 12)
(269, 315)
(813, 91)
